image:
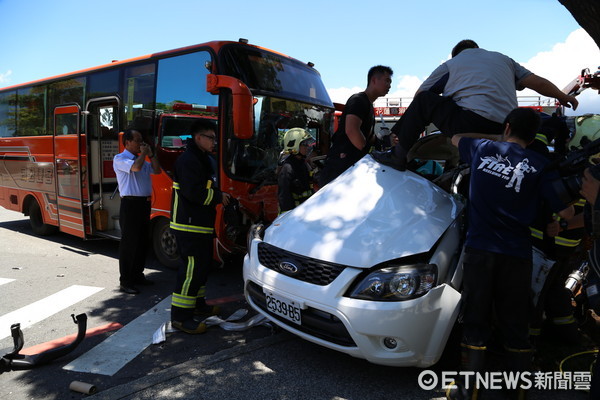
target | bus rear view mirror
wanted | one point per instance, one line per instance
(243, 112)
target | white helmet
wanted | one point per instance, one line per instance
(293, 138)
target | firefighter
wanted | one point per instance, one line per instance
(194, 199)
(559, 241)
(294, 177)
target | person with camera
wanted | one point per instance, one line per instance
(498, 252)
(135, 188)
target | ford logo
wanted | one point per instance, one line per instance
(288, 268)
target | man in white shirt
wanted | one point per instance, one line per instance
(135, 188)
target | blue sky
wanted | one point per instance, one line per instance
(342, 38)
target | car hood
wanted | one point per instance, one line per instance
(369, 214)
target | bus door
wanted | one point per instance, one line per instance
(68, 169)
(102, 123)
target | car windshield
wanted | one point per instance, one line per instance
(255, 160)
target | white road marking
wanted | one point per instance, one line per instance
(5, 280)
(115, 352)
(42, 309)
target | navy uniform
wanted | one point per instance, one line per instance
(193, 213)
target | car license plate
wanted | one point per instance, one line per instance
(283, 307)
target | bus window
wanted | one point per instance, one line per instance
(182, 79)
(138, 92)
(102, 84)
(64, 92)
(31, 116)
(66, 124)
(8, 120)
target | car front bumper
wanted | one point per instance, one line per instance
(404, 333)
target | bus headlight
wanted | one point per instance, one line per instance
(396, 283)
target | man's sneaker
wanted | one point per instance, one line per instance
(189, 326)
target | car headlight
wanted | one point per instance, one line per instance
(256, 231)
(396, 283)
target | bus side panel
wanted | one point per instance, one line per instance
(27, 168)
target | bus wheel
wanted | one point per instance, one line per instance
(36, 220)
(164, 244)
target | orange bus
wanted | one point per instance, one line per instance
(58, 136)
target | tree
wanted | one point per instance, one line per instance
(587, 14)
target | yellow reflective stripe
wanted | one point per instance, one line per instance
(191, 228)
(542, 138)
(209, 196)
(513, 350)
(182, 301)
(305, 194)
(563, 320)
(210, 192)
(535, 331)
(201, 292)
(561, 241)
(580, 203)
(468, 346)
(189, 274)
(175, 201)
(536, 233)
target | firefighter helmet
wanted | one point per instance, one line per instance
(293, 138)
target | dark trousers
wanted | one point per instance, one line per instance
(555, 298)
(500, 285)
(428, 107)
(134, 218)
(196, 251)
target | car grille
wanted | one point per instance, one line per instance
(314, 322)
(309, 269)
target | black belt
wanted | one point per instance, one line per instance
(146, 198)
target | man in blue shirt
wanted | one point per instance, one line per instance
(135, 188)
(507, 183)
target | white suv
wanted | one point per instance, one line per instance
(366, 266)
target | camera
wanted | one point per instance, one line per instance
(571, 169)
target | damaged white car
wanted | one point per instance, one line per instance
(366, 266)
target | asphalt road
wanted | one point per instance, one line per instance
(257, 363)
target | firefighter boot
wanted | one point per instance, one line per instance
(472, 359)
(183, 319)
(519, 361)
(203, 310)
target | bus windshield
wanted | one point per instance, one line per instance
(255, 160)
(268, 72)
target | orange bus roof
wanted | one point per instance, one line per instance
(214, 45)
